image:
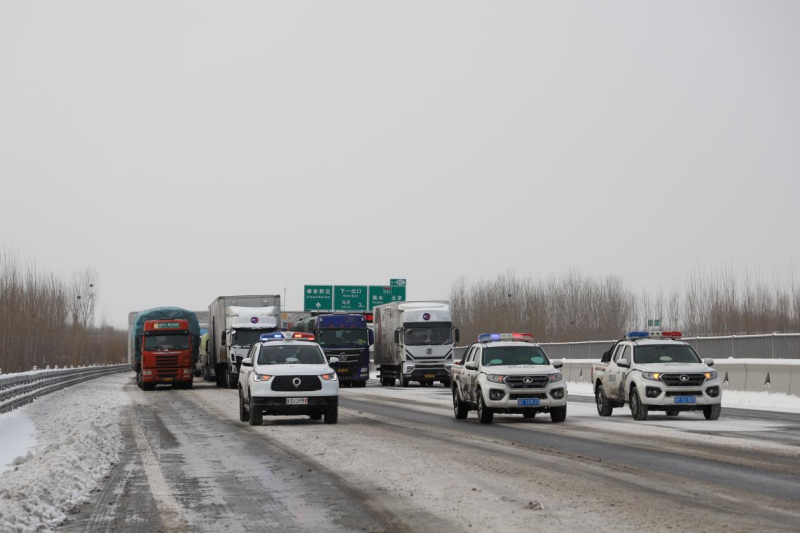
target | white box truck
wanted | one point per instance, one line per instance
(414, 342)
(235, 324)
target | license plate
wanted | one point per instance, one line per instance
(685, 399)
(166, 379)
(430, 375)
(342, 370)
(296, 401)
(527, 402)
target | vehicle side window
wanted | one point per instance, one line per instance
(618, 353)
(467, 354)
(627, 354)
(476, 355)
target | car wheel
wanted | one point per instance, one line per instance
(558, 414)
(332, 414)
(638, 409)
(528, 414)
(673, 413)
(712, 412)
(244, 416)
(604, 407)
(485, 414)
(256, 415)
(460, 409)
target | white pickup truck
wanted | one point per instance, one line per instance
(508, 373)
(655, 371)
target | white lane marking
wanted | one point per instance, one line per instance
(168, 506)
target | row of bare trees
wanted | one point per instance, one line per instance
(576, 307)
(46, 320)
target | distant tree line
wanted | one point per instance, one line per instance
(577, 307)
(47, 320)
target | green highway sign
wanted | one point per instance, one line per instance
(350, 298)
(397, 282)
(381, 294)
(318, 298)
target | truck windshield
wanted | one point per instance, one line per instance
(166, 342)
(248, 337)
(665, 353)
(342, 337)
(422, 335)
(290, 354)
(514, 355)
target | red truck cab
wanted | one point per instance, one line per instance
(167, 354)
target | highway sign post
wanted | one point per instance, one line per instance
(350, 298)
(318, 298)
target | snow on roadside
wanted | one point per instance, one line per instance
(79, 435)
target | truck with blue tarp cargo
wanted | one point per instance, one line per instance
(165, 343)
(346, 337)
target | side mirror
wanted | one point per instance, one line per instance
(624, 363)
(457, 363)
(371, 337)
(709, 362)
(472, 365)
(247, 362)
(223, 342)
(457, 335)
(397, 336)
(333, 359)
(557, 363)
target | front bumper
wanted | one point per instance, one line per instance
(271, 405)
(554, 395)
(351, 372)
(263, 389)
(172, 375)
(436, 373)
(657, 394)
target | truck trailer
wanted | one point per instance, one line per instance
(235, 324)
(164, 343)
(414, 342)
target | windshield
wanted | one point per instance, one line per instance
(342, 337)
(514, 355)
(422, 335)
(665, 353)
(290, 354)
(248, 337)
(166, 342)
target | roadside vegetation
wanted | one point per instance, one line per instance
(577, 307)
(47, 319)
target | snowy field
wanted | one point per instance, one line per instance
(76, 442)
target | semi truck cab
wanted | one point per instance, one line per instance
(166, 354)
(347, 338)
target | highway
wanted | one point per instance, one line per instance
(399, 461)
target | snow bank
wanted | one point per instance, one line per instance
(17, 437)
(79, 439)
(764, 401)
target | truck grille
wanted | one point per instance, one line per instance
(167, 374)
(535, 382)
(286, 383)
(674, 380)
(166, 361)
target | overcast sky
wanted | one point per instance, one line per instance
(191, 149)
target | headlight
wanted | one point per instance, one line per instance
(653, 376)
(495, 378)
(261, 377)
(330, 377)
(555, 377)
(711, 375)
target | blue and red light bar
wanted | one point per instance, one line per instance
(505, 337)
(639, 335)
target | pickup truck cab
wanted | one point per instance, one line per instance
(656, 371)
(508, 373)
(287, 373)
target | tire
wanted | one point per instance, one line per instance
(256, 415)
(219, 376)
(148, 386)
(332, 414)
(315, 416)
(403, 382)
(446, 383)
(529, 414)
(604, 407)
(673, 413)
(460, 409)
(712, 412)
(384, 382)
(485, 414)
(231, 381)
(558, 414)
(638, 409)
(391, 381)
(244, 415)
(360, 384)
(139, 380)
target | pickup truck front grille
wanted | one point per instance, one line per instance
(527, 382)
(166, 361)
(677, 380)
(287, 383)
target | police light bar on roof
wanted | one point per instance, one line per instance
(505, 337)
(300, 336)
(639, 335)
(277, 336)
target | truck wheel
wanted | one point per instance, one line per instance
(460, 409)
(256, 415)
(233, 380)
(220, 376)
(390, 382)
(604, 407)
(673, 413)
(528, 414)
(148, 386)
(139, 380)
(712, 412)
(485, 414)
(332, 414)
(360, 384)
(384, 382)
(244, 416)
(558, 414)
(403, 382)
(638, 409)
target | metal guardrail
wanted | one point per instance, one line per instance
(17, 390)
(767, 346)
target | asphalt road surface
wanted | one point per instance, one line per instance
(399, 461)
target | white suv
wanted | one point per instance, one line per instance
(287, 374)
